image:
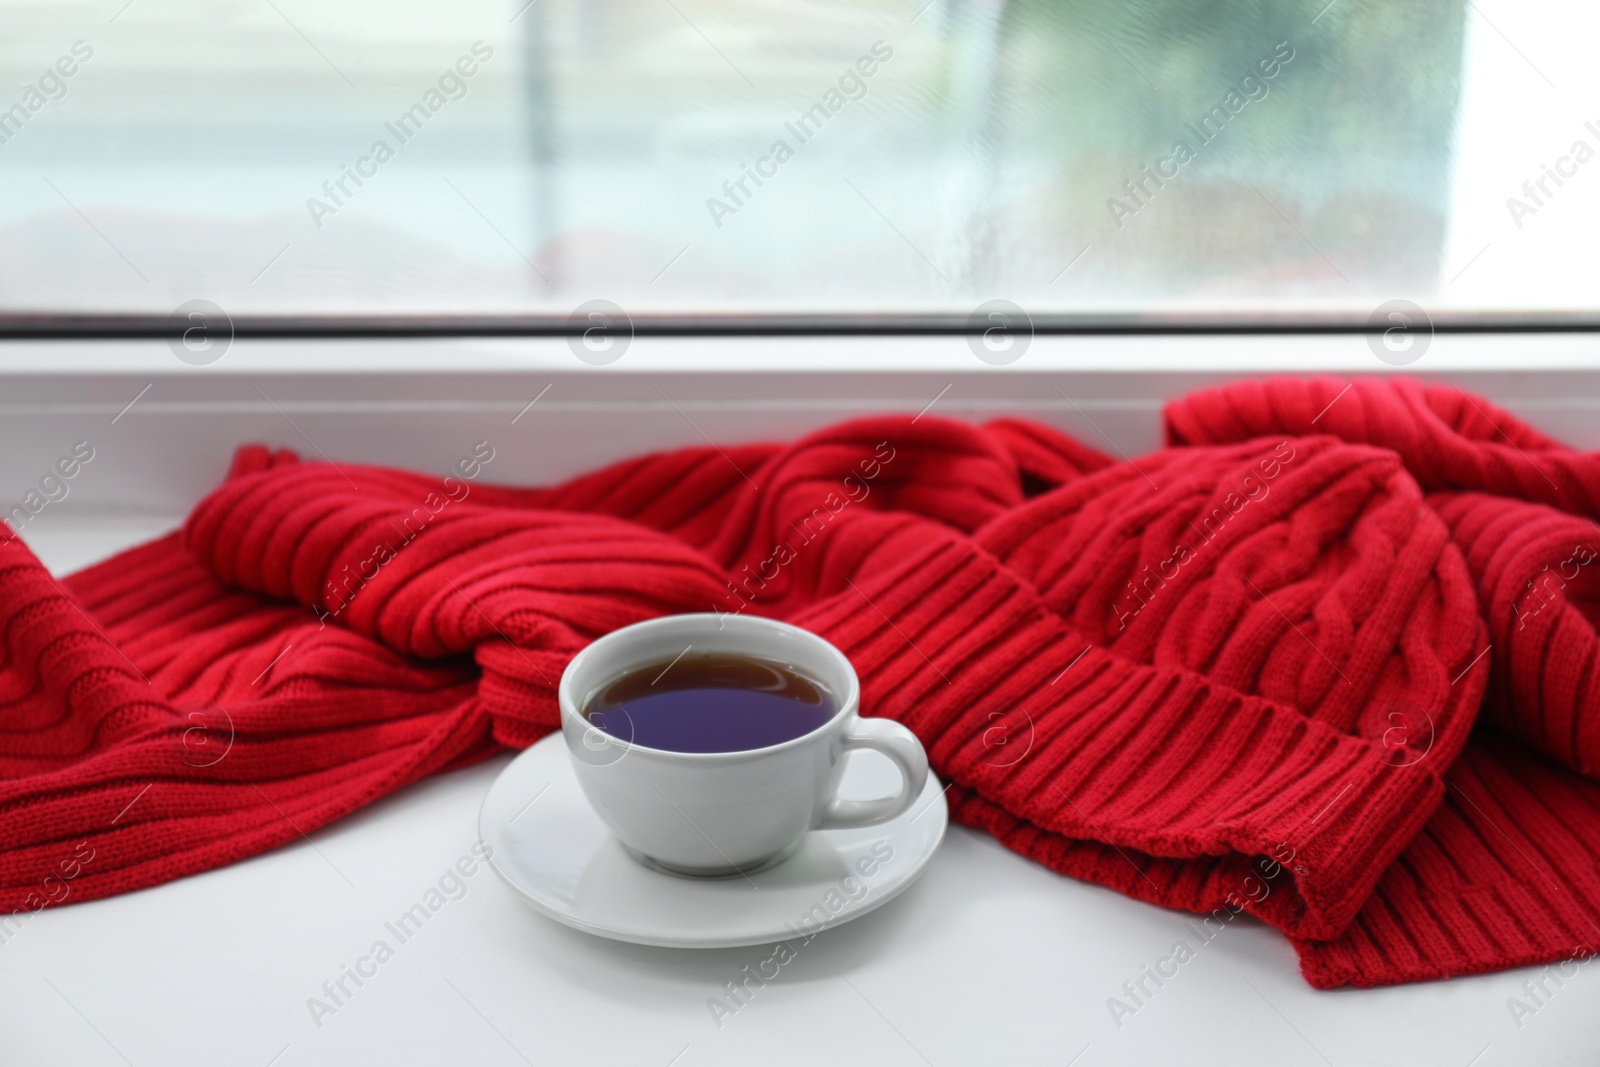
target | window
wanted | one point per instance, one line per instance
(702, 161)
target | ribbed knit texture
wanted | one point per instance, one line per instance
(1507, 869)
(1241, 672)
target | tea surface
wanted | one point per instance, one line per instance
(710, 702)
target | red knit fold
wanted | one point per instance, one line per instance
(1447, 438)
(1159, 761)
(1239, 674)
(1507, 872)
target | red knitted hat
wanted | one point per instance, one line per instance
(1507, 871)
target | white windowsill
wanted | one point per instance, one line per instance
(990, 959)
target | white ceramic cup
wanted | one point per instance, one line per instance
(721, 813)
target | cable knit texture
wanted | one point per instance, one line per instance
(1240, 674)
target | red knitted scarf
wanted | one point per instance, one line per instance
(1243, 673)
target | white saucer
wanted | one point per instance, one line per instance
(547, 842)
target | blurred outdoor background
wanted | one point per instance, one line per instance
(984, 157)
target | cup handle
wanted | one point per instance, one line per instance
(900, 745)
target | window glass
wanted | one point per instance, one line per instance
(1158, 160)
